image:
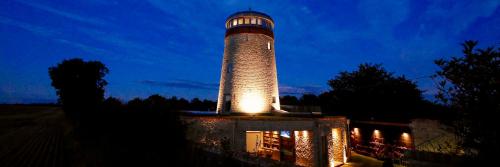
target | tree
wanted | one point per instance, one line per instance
(197, 104)
(289, 100)
(157, 103)
(309, 100)
(112, 104)
(79, 84)
(135, 105)
(209, 105)
(371, 92)
(470, 85)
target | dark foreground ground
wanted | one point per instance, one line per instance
(44, 136)
(32, 136)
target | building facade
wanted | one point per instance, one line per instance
(249, 121)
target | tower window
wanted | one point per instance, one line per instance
(229, 68)
(254, 20)
(240, 21)
(259, 21)
(247, 20)
(269, 45)
(235, 22)
(227, 97)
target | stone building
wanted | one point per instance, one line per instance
(248, 78)
(248, 117)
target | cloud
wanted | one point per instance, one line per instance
(184, 84)
(62, 13)
(291, 90)
(39, 30)
(56, 35)
(188, 84)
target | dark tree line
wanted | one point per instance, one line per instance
(148, 135)
(157, 103)
(470, 85)
(79, 85)
(370, 93)
(304, 100)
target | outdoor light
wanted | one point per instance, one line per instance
(356, 131)
(252, 102)
(405, 135)
(335, 133)
(345, 156)
(376, 133)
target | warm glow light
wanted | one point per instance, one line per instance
(303, 148)
(335, 134)
(376, 133)
(356, 131)
(405, 135)
(345, 156)
(252, 103)
(335, 148)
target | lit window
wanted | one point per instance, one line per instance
(240, 21)
(269, 45)
(285, 134)
(254, 21)
(235, 22)
(259, 21)
(247, 20)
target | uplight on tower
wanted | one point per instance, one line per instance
(248, 81)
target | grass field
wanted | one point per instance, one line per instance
(31, 136)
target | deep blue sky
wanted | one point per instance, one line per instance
(176, 47)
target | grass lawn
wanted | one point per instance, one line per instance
(358, 160)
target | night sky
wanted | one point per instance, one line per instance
(175, 48)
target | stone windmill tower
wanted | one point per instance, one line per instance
(248, 81)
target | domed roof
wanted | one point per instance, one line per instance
(249, 13)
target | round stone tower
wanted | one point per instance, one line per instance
(248, 81)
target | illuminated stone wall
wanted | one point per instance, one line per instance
(248, 73)
(303, 148)
(209, 131)
(309, 133)
(336, 146)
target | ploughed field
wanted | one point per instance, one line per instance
(31, 136)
